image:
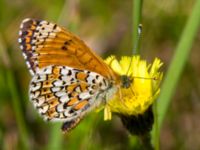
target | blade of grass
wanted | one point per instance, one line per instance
(136, 19)
(11, 84)
(137, 13)
(17, 109)
(176, 67)
(83, 137)
(55, 139)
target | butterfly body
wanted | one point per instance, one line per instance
(68, 78)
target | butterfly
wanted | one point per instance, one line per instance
(68, 78)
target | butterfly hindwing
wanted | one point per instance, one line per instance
(62, 93)
(44, 43)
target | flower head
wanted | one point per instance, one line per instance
(143, 89)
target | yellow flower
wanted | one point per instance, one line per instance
(144, 88)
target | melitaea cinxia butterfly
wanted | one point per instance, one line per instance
(68, 78)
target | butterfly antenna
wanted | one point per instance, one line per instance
(151, 78)
(136, 45)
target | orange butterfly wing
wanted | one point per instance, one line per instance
(44, 43)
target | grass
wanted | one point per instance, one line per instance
(22, 126)
(8, 77)
(137, 15)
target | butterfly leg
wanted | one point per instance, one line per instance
(69, 125)
(121, 97)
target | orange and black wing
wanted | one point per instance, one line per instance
(44, 43)
(61, 93)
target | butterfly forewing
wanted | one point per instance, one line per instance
(44, 43)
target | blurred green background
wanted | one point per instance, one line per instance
(106, 27)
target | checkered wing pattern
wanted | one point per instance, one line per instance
(61, 93)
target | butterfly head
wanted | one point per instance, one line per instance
(126, 81)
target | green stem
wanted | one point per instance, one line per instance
(11, 84)
(177, 65)
(137, 13)
(23, 131)
(55, 139)
(136, 19)
(155, 131)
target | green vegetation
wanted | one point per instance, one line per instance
(170, 32)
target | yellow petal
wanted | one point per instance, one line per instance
(143, 90)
